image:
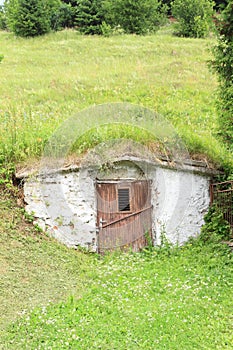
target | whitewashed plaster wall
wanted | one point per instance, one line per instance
(64, 204)
(181, 200)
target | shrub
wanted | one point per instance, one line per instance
(223, 66)
(194, 17)
(89, 16)
(137, 17)
(1, 58)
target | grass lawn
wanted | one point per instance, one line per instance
(52, 297)
(45, 80)
(34, 269)
(56, 298)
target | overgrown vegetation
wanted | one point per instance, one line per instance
(106, 17)
(216, 228)
(167, 297)
(223, 66)
(135, 17)
(194, 17)
(164, 73)
(36, 17)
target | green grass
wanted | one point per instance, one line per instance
(53, 297)
(46, 80)
(34, 269)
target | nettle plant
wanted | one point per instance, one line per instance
(216, 228)
(194, 17)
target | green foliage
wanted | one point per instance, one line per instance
(11, 10)
(216, 228)
(6, 173)
(135, 17)
(3, 24)
(62, 15)
(168, 5)
(1, 58)
(194, 17)
(37, 17)
(220, 4)
(28, 18)
(223, 66)
(89, 16)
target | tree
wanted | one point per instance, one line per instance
(223, 66)
(138, 17)
(11, 8)
(28, 18)
(2, 18)
(37, 17)
(194, 17)
(220, 4)
(89, 16)
(62, 15)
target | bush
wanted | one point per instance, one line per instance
(223, 66)
(89, 16)
(194, 17)
(135, 17)
(1, 58)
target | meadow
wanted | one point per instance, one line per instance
(52, 297)
(46, 80)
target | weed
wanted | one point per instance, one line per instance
(216, 228)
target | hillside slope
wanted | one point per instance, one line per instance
(46, 80)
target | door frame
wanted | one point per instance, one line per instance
(129, 213)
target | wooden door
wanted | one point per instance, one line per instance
(123, 214)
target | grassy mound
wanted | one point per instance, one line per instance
(46, 80)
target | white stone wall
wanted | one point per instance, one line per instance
(64, 204)
(181, 200)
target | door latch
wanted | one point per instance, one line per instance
(102, 222)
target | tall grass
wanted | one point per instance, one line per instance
(46, 80)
